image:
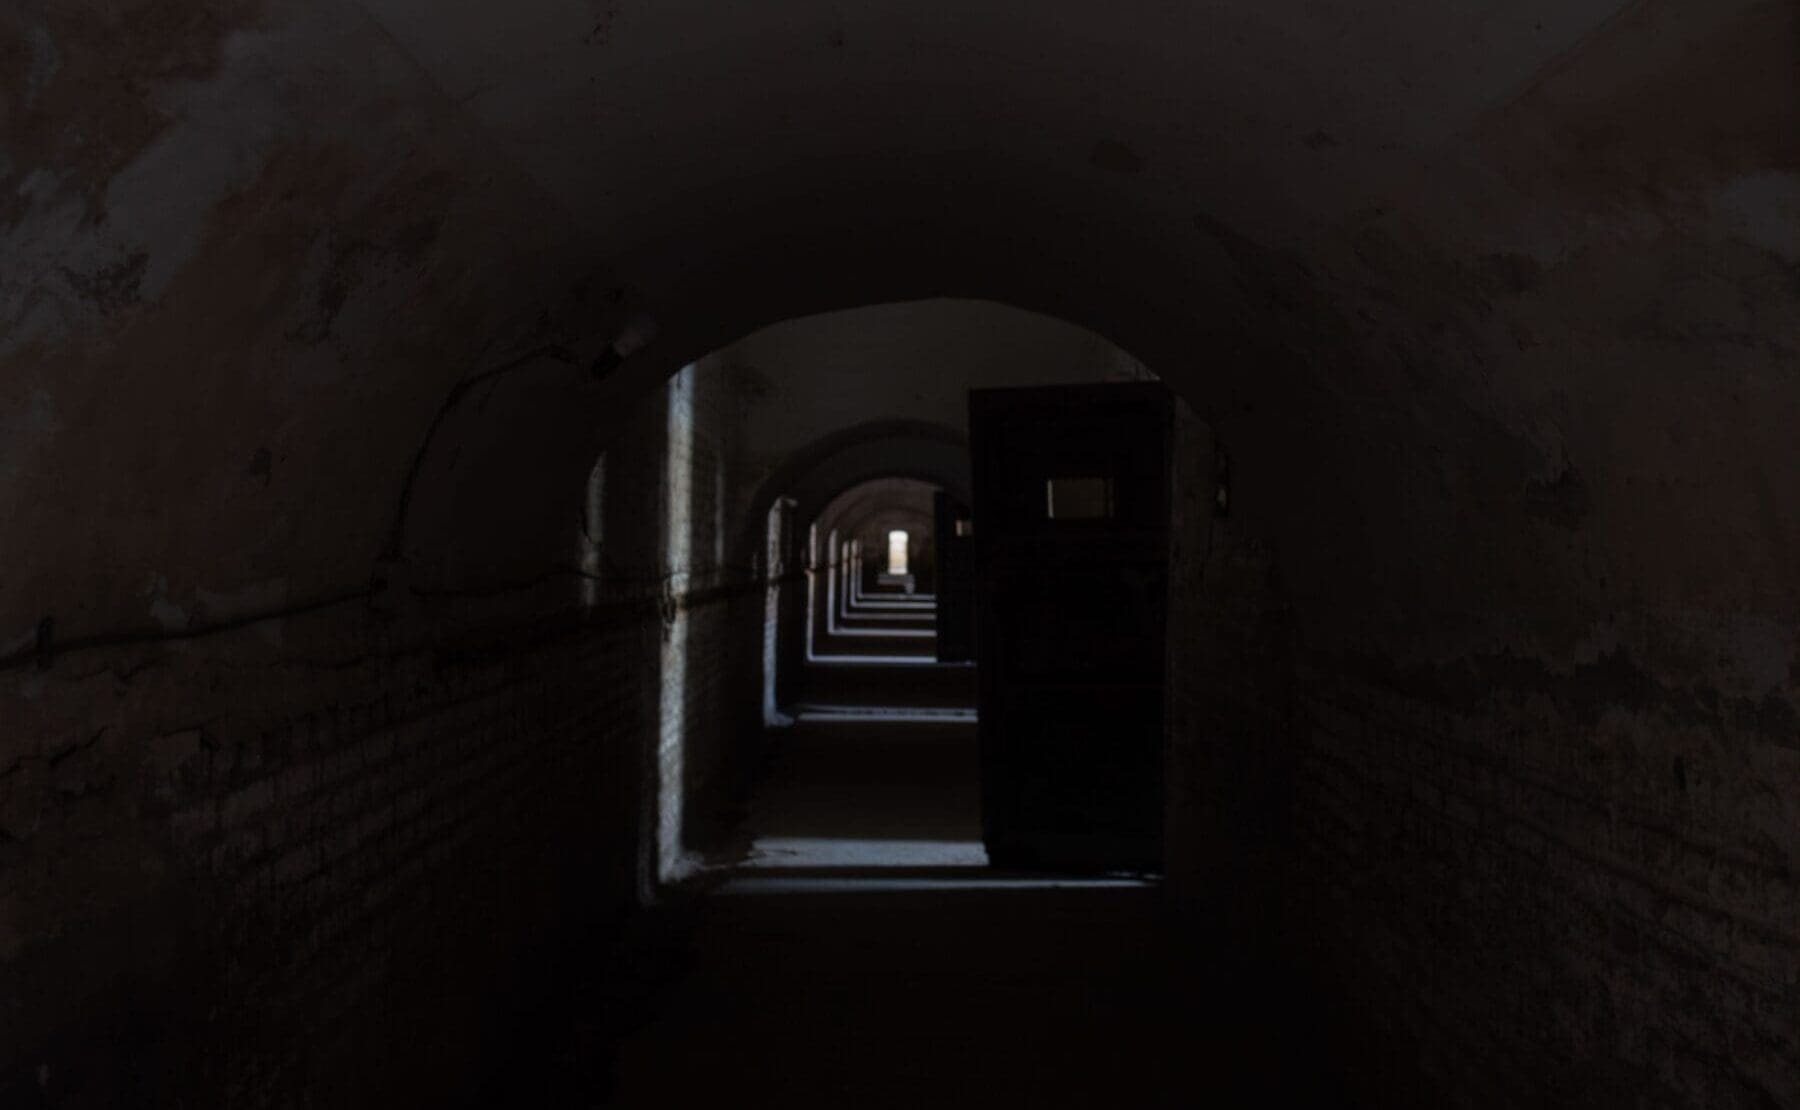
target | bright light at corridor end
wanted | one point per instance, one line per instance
(896, 560)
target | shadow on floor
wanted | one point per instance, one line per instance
(849, 958)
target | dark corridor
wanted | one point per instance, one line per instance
(492, 541)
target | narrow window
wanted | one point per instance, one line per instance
(1078, 498)
(896, 563)
(593, 531)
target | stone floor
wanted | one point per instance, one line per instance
(945, 995)
(862, 956)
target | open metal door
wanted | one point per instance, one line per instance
(952, 531)
(1072, 518)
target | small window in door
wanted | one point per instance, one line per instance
(1078, 498)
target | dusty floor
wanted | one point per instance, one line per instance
(862, 956)
(944, 996)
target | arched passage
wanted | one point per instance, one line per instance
(300, 313)
(858, 521)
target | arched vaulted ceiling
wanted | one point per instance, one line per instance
(1446, 277)
(1494, 308)
(863, 509)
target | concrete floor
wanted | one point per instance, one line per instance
(862, 791)
(878, 964)
(939, 997)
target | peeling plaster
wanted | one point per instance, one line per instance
(260, 597)
(23, 432)
(1747, 654)
(45, 60)
(18, 644)
(1765, 208)
(166, 196)
(172, 617)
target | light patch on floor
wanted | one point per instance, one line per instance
(777, 853)
(845, 714)
(886, 633)
(864, 884)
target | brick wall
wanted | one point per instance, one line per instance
(244, 882)
(1559, 907)
(320, 859)
(1529, 887)
(1230, 726)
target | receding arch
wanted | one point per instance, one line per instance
(814, 476)
(510, 456)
